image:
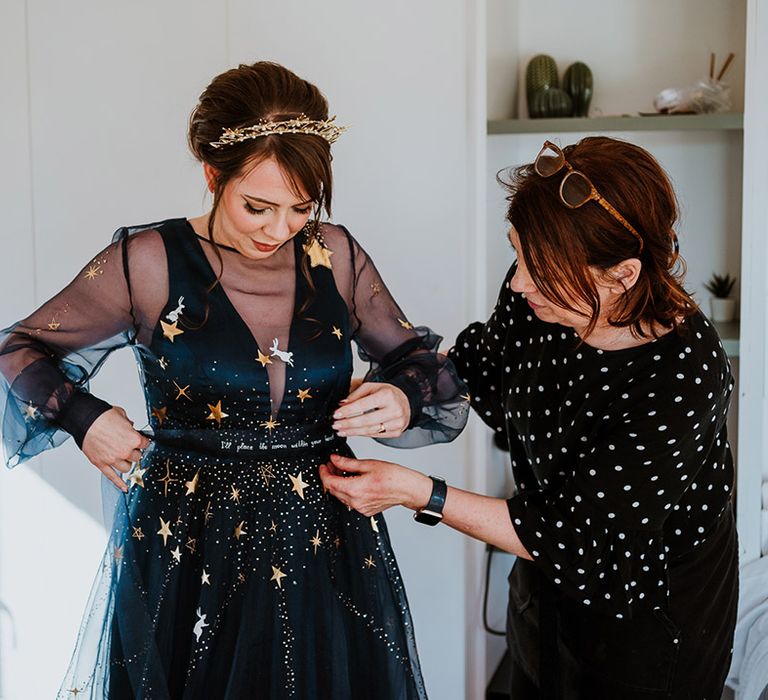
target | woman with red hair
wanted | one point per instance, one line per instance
(611, 389)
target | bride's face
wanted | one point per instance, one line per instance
(260, 211)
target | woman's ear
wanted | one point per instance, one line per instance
(211, 176)
(623, 276)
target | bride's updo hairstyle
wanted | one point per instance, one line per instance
(259, 93)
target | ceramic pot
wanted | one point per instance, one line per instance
(722, 309)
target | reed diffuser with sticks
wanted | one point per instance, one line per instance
(705, 96)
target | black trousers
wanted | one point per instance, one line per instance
(562, 650)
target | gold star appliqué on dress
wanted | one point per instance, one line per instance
(217, 413)
(167, 480)
(316, 541)
(277, 576)
(337, 332)
(264, 359)
(369, 562)
(240, 530)
(270, 425)
(235, 495)
(267, 473)
(170, 330)
(304, 394)
(192, 484)
(165, 531)
(298, 485)
(30, 412)
(182, 391)
(404, 324)
(138, 534)
(160, 413)
(136, 477)
(93, 271)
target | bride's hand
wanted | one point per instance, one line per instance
(373, 409)
(112, 443)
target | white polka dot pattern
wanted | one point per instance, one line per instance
(621, 458)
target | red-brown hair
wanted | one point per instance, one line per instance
(560, 244)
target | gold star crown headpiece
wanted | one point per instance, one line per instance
(325, 128)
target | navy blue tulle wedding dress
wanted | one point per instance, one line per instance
(229, 573)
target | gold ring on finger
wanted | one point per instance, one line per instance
(382, 428)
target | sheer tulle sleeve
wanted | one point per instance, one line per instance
(48, 359)
(399, 353)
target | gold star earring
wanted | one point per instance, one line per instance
(315, 247)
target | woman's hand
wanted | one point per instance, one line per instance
(370, 486)
(369, 408)
(112, 443)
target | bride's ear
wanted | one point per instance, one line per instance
(623, 276)
(211, 175)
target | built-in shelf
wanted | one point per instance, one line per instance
(729, 121)
(729, 335)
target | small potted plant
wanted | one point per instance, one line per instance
(722, 306)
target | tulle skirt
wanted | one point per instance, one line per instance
(231, 576)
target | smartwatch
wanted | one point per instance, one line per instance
(432, 513)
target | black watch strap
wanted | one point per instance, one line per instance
(432, 513)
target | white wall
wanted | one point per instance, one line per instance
(635, 48)
(95, 101)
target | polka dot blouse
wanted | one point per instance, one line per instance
(620, 458)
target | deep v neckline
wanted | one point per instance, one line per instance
(232, 309)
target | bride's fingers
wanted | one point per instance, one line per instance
(382, 428)
(361, 390)
(367, 421)
(359, 407)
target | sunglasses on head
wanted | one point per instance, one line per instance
(576, 189)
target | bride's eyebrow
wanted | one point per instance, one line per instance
(273, 204)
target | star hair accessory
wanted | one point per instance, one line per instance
(326, 129)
